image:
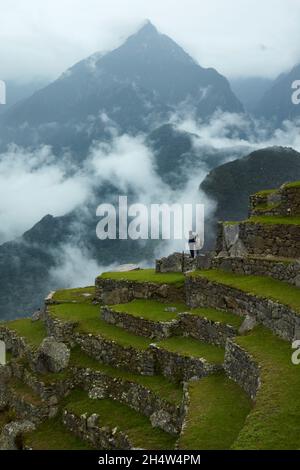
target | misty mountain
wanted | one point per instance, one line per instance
(231, 184)
(276, 105)
(250, 90)
(136, 86)
(18, 91)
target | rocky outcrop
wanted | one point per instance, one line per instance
(13, 430)
(52, 356)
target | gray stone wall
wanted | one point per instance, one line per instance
(90, 430)
(179, 368)
(140, 326)
(107, 351)
(281, 319)
(259, 266)
(206, 330)
(162, 413)
(241, 367)
(284, 202)
(109, 291)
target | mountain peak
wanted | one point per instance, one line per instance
(147, 28)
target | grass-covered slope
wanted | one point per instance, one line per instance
(217, 412)
(274, 421)
(192, 347)
(32, 332)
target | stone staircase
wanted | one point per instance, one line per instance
(164, 360)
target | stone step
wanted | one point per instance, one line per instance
(273, 423)
(273, 303)
(122, 287)
(216, 413)
(110, 425)
(282, 269)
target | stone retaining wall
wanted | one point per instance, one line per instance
(61, 330)
(88, 428)
(109, 352)
(280, 270)
(282, 320)
(109, 291)
(241, 367)
(162, 413)
(140, 326)
(206, 330)
(285, 202)
(180, 368)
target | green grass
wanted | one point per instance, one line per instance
(266, 192)
(146, 275)
(274, 421)
(217, 412)
(192, 347)
(151, 309)
(274, 220)
(114, 414)
(167, 390)
(53, 435)
(89, 321)
(294, 184)
(80, 295)
(33, 332)
(25, 392)
(216, 315)
(260, 286)
(266, 207)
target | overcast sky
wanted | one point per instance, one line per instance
(41, 38)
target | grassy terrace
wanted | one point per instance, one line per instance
(33, 332)
(53, 435)
(261, 286)
(216, 315)
(192, 347)
(146, 275)
(217, 413)
(294, 184)
(89, 321)
(274, 220)
(151, 309)
(25, 392)
(168, 390)
(274, 421)
(266, 192)
(114, 414)
(155, 311)
(80, 295)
